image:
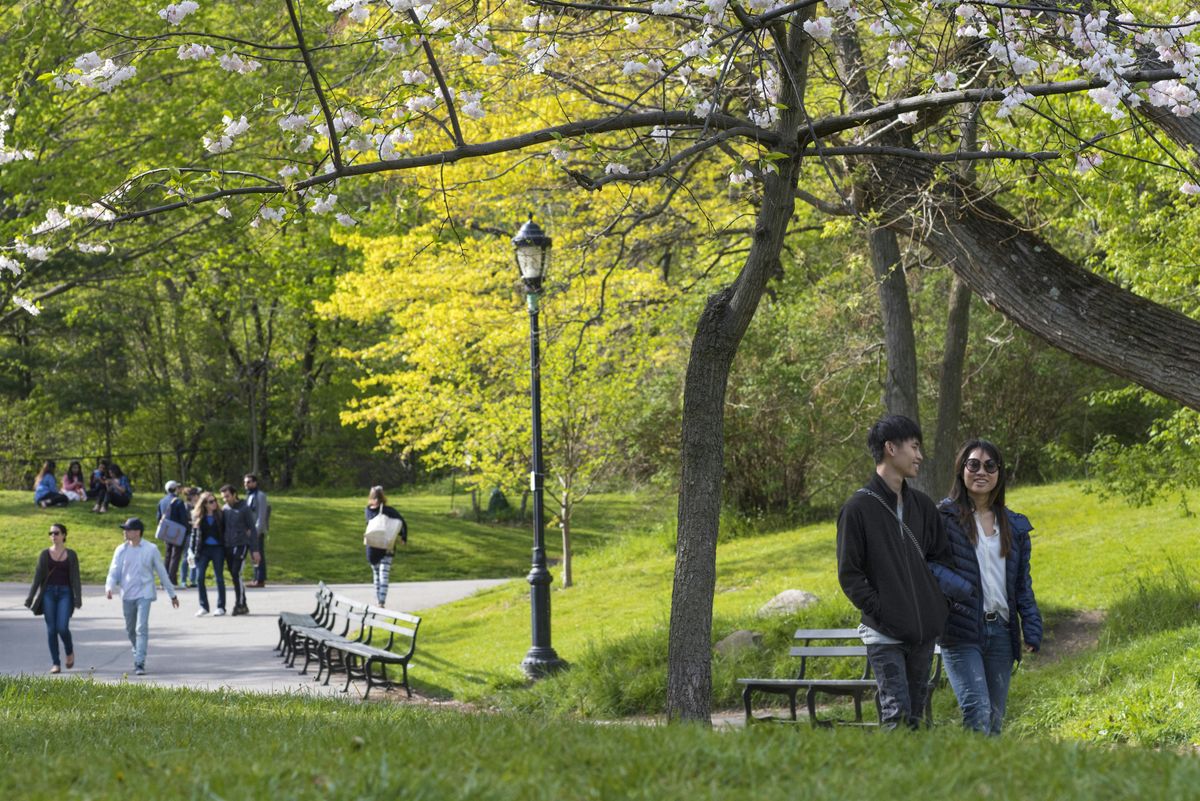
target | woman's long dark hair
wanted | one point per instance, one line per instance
(962, 498)
(75, 469)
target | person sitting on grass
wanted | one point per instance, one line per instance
(45, 488)
(117, 490)
(72, 485)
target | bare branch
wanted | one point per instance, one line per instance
(441, 81)
(335, 149)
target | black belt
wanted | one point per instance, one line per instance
(991, 617)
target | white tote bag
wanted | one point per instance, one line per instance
(381, 532)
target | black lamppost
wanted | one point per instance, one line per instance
(533, 257)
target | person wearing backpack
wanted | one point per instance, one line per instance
(890, 542)
(380, 559)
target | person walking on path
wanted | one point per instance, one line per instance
(241, 537)
(256, 499)
(45, 488)
(991, 547)
(135, 562)
(56, 593)
(888, 535)
(208, 547)
(380, 559)
(172, 507)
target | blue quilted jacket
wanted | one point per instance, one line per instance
(965, 623)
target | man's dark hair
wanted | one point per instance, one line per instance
(228, 488)
(250, 476)
(893, 428)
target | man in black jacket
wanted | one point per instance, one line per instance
(886, 533)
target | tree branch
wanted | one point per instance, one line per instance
(335, 149)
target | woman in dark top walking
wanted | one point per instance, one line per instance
(56, 593)
(380, 559)
(208, 545)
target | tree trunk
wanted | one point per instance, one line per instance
(954, 355)
(900, 383)
(564, 516)
(1047, 294)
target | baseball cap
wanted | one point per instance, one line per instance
(133, 522)
(172, 486)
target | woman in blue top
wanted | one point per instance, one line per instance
(116, 490)
(45, 488)
(990, 545)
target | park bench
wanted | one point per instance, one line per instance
(814, 686)
(386, 639)
(288, 621)
(342, 616)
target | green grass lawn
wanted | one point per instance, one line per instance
(74, 739)
(315, 538)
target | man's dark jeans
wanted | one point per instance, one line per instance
(902, 672)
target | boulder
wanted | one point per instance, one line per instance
(788, 602)
(739, 640)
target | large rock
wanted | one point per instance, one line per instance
(739, 640)
(788, 602)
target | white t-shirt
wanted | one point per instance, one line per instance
(991, 569)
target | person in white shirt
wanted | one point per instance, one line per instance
(131, 573)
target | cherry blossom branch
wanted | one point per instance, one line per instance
(922, 155)
(335, 149)
(441, 81)
(666, 166)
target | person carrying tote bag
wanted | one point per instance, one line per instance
(384, 527)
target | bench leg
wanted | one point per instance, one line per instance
(746, 702)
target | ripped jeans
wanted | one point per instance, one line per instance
(980, 675)
(902, 672)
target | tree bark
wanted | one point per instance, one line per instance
(900, 344)
(949, 418)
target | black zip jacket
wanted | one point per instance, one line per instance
(881, 571)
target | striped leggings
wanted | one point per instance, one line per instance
(382, 571)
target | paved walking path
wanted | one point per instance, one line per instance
(207, 652)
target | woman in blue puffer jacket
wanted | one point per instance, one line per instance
(990, 545)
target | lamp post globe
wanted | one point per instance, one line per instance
(533, 257)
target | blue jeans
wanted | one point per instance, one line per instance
(56, 607)
(980, 675)
(216, 555)
(902, 674)
(137, 626)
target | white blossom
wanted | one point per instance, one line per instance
(666, 7)
(224, 212)
(177, 12)
(232, 62)
(491, 60)
(1190, 188)
(470, 105)
(420, 103)
(560, 154)
(613, 168)
(32, 252)
(413, 76)
(819, 28)
(294, 123)
(271, 214)
(388, 145)
(12, 265)
(346, 220)
(194, 52)
(946, 80)
(85, 247)
(289, 171)
(661, 135)
(93, 73)
(908, 117)
(537, 21)
(304, 145)
(1086, 162)
(632, 24)
(235, 127)
(739, 178)
(1013, 97)
(323, 205)
(27, 305)
(539, 56)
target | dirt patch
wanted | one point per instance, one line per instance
(1071, 635)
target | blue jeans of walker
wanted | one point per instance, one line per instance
(902, 674)
(56, 607)
(214, 554)
(980, 675)
(137, 626)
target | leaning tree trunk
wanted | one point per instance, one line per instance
(954, 356)
(718, 334)
(900, 344)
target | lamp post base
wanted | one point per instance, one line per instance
(541, 662)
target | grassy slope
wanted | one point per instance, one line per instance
(73, 739)
(320, 538)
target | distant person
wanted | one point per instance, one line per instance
(134, 564)
(172, 507)
(45, 488)
(56, 593)
(72, 483)
(887, 533)
(96, 485)
(256, 499)
(118, 491)
(380, 559)
(991, 548)
(208, 547)
(191, 495)
(241, 539)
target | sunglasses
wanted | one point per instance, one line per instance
(974, 466)
(55, 532)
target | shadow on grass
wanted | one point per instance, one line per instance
(1161, 602)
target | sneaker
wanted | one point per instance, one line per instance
(220, 613)
(203, 612)
(139, 670)
(241, 610)
(55, 669)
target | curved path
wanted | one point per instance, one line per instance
(186, 651)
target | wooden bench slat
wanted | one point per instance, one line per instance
(826, 634)
(829, 650)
